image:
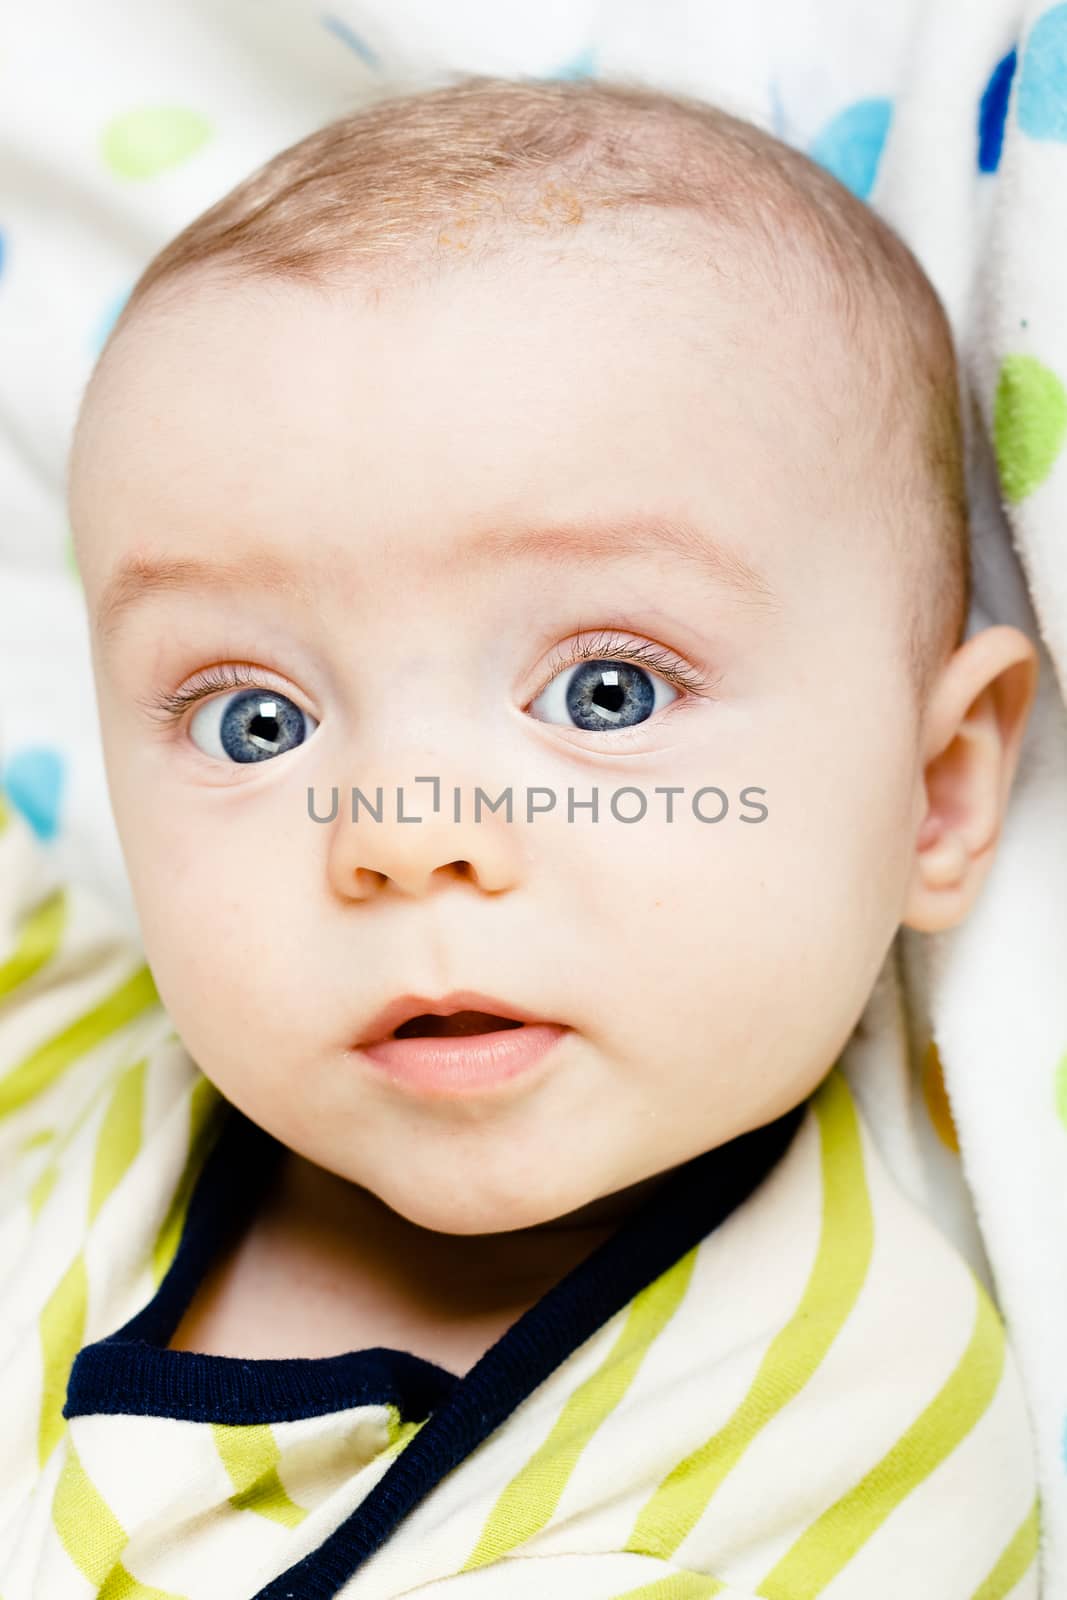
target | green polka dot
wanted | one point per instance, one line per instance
(1061, 1090)
(1029, 424)
(141, 143)
(70, 558)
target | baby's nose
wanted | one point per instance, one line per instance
(417, 851)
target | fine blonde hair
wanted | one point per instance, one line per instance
(413, 179)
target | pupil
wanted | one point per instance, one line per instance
(606, 694)
(257, 726)
(610, 697)
(265, 731)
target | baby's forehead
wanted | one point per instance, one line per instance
(400, 196)
(655, 276)
(512, 390)
(817, 354)
(640, 313)
(273, 419)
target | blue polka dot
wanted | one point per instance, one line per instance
(1042, 102)
(352, 39)
(33, 780)
(993, 113)
(583, 65)
(850, 145)
(107, 321)
(777, 111)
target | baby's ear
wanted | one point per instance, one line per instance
(975, 721)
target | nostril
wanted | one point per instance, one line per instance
(367, 878)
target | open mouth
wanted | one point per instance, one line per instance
(459, 1025)
(441, 1053)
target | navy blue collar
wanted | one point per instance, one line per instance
(132, 1371)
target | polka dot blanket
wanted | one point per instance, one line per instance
(947, 116)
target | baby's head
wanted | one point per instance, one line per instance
(457, 396)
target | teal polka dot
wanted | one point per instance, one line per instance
(1029, 424)
(149, 140)
(851, 144)
(98, 337)
(1042, 102)
(33, 780)
(582, 65)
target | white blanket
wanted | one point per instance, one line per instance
(117, 125)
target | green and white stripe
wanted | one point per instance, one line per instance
(816, 1402)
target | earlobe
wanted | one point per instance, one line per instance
(945, 860)
(976, 719)
(944, 883)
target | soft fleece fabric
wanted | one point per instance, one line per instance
(948, 116)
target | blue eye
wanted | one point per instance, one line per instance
(598, 696)
(252, 725)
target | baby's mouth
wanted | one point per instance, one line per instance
(459, 1024)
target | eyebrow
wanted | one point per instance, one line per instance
(586, 543)
(138, 576)
(589, 543)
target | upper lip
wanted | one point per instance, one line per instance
(406, 1006)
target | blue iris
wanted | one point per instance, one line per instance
(258, 725)
(610, 694)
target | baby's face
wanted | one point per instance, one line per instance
(368, 471)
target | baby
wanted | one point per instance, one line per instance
(552, 494)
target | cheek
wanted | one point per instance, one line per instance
(745, 950)
(223, 910)
(833, 860)
(676, 921)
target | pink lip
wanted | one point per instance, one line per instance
(465, 1064)
(406, 1006)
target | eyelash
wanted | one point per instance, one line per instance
(607, 646)
(170, 706)
(610, 646)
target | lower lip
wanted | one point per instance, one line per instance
(466, 1064)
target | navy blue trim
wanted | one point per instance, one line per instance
(133, 1372)
(692, 1202)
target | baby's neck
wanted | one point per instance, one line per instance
(320, 1216)
(324, 1266)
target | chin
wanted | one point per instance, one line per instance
(472, 1215)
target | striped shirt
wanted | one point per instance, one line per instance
(776, 1379)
